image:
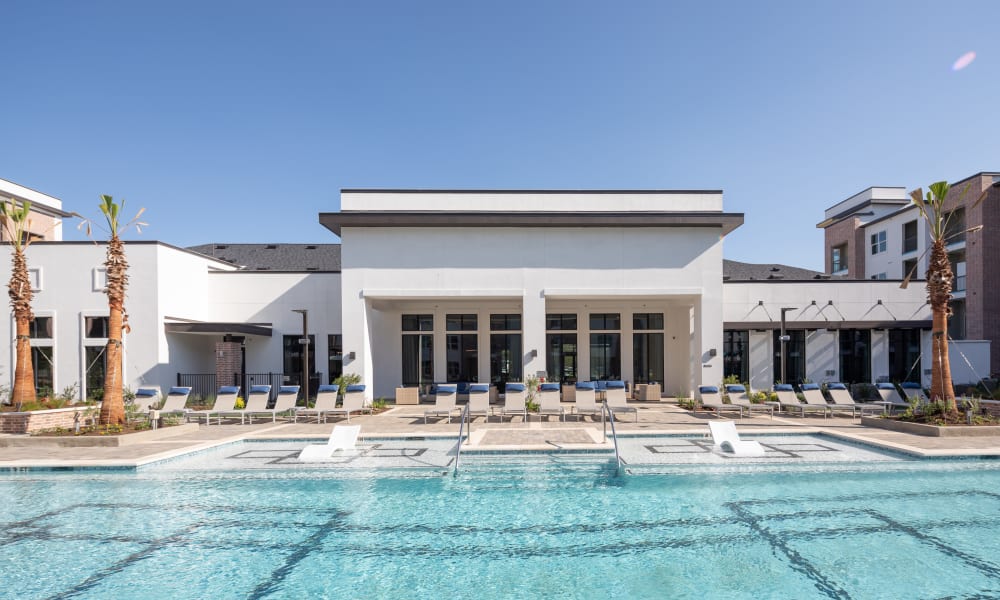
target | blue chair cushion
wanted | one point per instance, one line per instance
(260, 389)
(288, 389)
(445, 389)
(885, 385)
(783, 387)
(229, 389)
(809, 386)
(179, 391)
(479, 388)
(585, 385)
(463, 387)
(146, 393)
(734, 388)
(549, 387)
(616, 385)
(708, 389)
(357, 387)
(601, 385)
(515, 387)
(329, 387)
(836, 386)
(909, 385)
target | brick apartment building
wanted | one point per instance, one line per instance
(878, 234)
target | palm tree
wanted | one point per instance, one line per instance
(116, 265)
(939, 284)
(15, 224)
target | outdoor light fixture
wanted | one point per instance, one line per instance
(533, 353)
(350, 356)
(784, 339)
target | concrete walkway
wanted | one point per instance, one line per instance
(513, 433)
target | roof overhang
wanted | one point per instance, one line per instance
(335, 222)
(204, 328)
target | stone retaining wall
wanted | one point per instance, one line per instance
(36, 420)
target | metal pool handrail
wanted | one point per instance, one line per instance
(614, 435)
(461, 427)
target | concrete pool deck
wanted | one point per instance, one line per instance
(546, 434)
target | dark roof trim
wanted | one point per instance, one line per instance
(263, 330)
(746, 325)
(824, 280)
(854, 211)
(518, 191)
(275, 272)
(335, 221)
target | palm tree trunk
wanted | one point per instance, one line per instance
(113, 405)
(20, 293)
(939, 281)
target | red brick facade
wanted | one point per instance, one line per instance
(847, 231)
(228, 361)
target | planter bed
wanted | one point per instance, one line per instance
(933, 430)
(83, 441)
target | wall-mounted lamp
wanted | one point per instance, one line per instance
(814, 303)
(533, 353)
(350, 356)
(712, 352)
(760, 303)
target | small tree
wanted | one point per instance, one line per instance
(15, 224)
(939, 284)
(116, 265)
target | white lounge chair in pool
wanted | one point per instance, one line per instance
(549, 401)
(444, 402)
(712, 400)
(176, 401)
(513, 401)
(738, 395)
(479, 401)
(617, 402)
(354, 401)
(225, 402)
(284, 403)
(842, 399)
(890, 396)
(326, 400)
(586, 400)
(256, 403)
(343, 437)
(727, 440)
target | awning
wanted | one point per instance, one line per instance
(203, 328)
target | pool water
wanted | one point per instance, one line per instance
(559, 525)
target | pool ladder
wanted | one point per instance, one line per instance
(461, 428)
(614, 436)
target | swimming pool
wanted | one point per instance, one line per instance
(560, 525)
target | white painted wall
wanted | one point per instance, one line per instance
(531, 201)
(890, 262)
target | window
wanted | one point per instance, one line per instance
(100, 279)
(603, 321)
(505, 322)
(95, 333)
(910, 237)
(910, 269)
(878, 242)
(463, 357)
(879, 276)
(647, 321)
(956, 322)
(41, 333)
(904, 355)
(41, 328)
(838, 258)
(855, 355)
(560, 322)
(957, 260)
(605, 356)
(736, 354)
(647, 348)
(461, 322)
(291, 362)
(335, 356)
(795, 356)
(954, 226)
(95, 327)
(561, 348)
(418, 322)
(506, 358)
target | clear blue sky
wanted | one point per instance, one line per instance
(240, 121)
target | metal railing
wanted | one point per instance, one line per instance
(461, 428)
(614, 435)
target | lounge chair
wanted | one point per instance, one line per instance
(513, 401)
(354, 401)
(479, 400)
(815, 399)
(326, 400)
(890, 396)
(444, 402)
(727, 440)
(617, 402)
(225, 403)
(549, 402)
(358, 390)
(738, 395)
(176, 401)
(910, 390)
(256, 403)
(790, 402)
(147, 398)
(843, 399)
(712, 400)
(284, 403)
(343, 437)
(586, 400)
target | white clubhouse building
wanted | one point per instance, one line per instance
(489, 286)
